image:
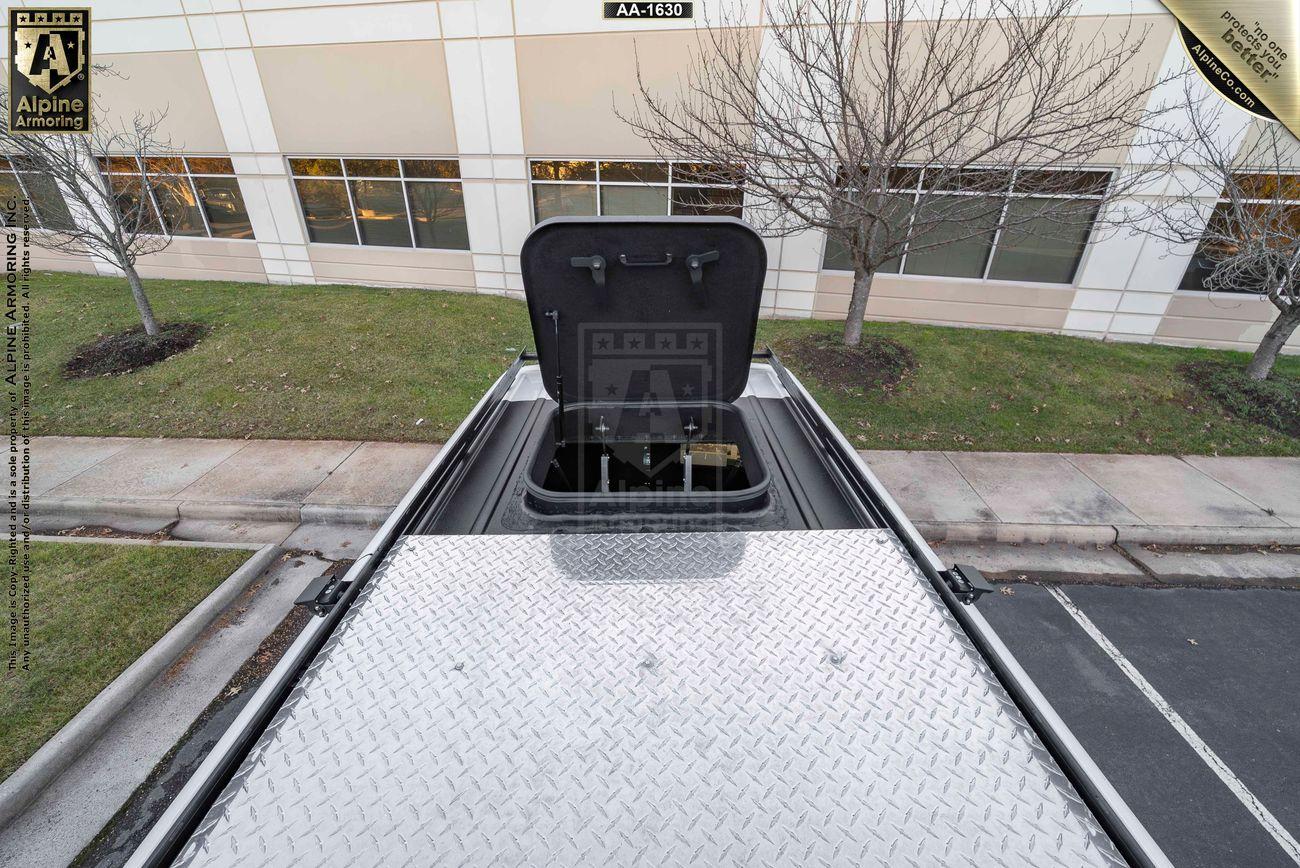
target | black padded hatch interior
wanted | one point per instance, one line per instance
(644, 309)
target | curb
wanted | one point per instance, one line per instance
(998, 532)
(131, 541)
(23, 787)
(110, 511)
(1105, 534)
(252, 510)
(1188, 535)
(331, 513)
(94, 510)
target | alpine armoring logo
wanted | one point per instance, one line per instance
(49, 70)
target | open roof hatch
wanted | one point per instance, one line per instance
(644, 330)
(642, 309)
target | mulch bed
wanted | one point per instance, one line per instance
(875, 364)
(132, 349)
(1274, 403)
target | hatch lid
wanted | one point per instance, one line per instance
(644, 309)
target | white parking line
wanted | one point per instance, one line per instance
(1217, 765)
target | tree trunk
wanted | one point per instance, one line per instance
(1261, 364)
(141, 300)
(857, 307)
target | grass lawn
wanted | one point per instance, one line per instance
(95, 608)
(401, 364)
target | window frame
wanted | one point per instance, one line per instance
(598, 182)
(11, 169)
(1225, 200)
(106, 171)
(401, 178)
(1007, 193)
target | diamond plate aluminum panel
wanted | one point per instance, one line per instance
(781, 698)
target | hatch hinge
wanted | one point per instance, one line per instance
(966, 582)
(324, 591)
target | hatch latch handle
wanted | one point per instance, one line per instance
(695, 265)
(595, 262)
(641, 262)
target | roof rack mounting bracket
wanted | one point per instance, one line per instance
(324, 590)
(966, 582)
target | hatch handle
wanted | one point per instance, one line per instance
(632, 263)
(595, 262)
(695, 265)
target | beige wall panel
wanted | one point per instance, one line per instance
(1221, 306)
(51, 260)
(953, 305)
(432, 278)
(1202, 329)
(367, 98)
(1145, 63)
(569, 85)
(170, 81)
(1056, 298)
(394, 266)
(949, 313)
(385, 257)
(174, 272)
(976, 292)
(834, 284)
(205, 259)
(1224, 335)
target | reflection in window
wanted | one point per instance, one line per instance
(635, 188)
(179, 206)
(381, 213)
(191, 196)
(564, 200)
(707, 202)
(633, 201)
(1269, 190)
(1048, 220)
(134, 204)
(1043, 240)
(382, 202)
(48, 209)
(11, 199)
(223, 205)
(960, 238)
(438, 215)
(327, 212)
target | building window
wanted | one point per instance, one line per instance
(1270, 193)
(1035, 230)
(190, 196)
(18, 181)
(382, 202)
(631, 188)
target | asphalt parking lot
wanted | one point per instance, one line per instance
(1217, 687)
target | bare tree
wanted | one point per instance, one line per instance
(109, 178)
(829, 124)
(1251, 238)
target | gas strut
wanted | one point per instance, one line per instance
(554, 316)
(602, 428)
(690, 430)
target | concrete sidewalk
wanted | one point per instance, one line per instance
(261, 489)
(256, 490)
